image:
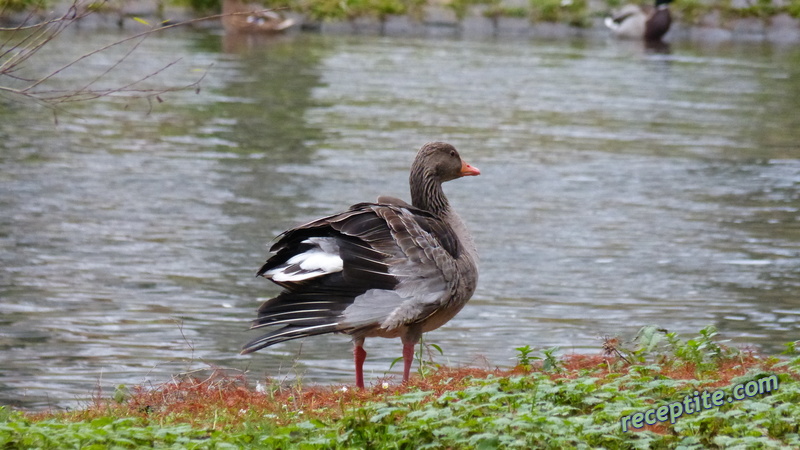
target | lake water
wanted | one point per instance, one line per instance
(619, 188)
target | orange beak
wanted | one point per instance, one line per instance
(467, 170)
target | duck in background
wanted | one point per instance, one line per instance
(633, 22)
(241, 17)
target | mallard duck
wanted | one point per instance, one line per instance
(633, 22)
(385, 269)
(241, 17)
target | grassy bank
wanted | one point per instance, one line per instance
(575, 401)
(576, 13)
(573, 12)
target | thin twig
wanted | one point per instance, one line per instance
(124, 40)
(33, 42)
(111, 67)
(23, 27)
(45, 31)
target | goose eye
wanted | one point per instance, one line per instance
(452, 153)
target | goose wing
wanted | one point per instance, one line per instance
(375, 266)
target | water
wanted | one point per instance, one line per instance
(620, 188)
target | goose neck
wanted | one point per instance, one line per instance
(427, 193)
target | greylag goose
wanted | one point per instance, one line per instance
(385, 269)
(632, 22)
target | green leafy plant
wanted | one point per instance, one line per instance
(121, 393)
(550, 362)
(703, 350)
(572, 12)
(578, 405)
(524, 358)
(657, 344)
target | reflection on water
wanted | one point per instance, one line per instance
(620, 188)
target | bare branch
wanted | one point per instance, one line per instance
(23, 27)
(15, 55)
(112, 67)
(129, 38)
(64, 96)
(30, 44)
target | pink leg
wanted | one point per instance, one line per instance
(408, 358)
(359, 354)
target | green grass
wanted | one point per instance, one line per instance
(571, 12)
(576, 13)
(575, 401)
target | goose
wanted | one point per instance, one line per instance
(385, 269)
(632, 22)
(241, 17)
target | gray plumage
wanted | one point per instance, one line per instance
(388, 269)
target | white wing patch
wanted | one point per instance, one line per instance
(322, 259)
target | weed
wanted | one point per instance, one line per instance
(121, 393)
(524, 360)
(575, 401)
(550, 362)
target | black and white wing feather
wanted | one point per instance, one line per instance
(377, 266)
